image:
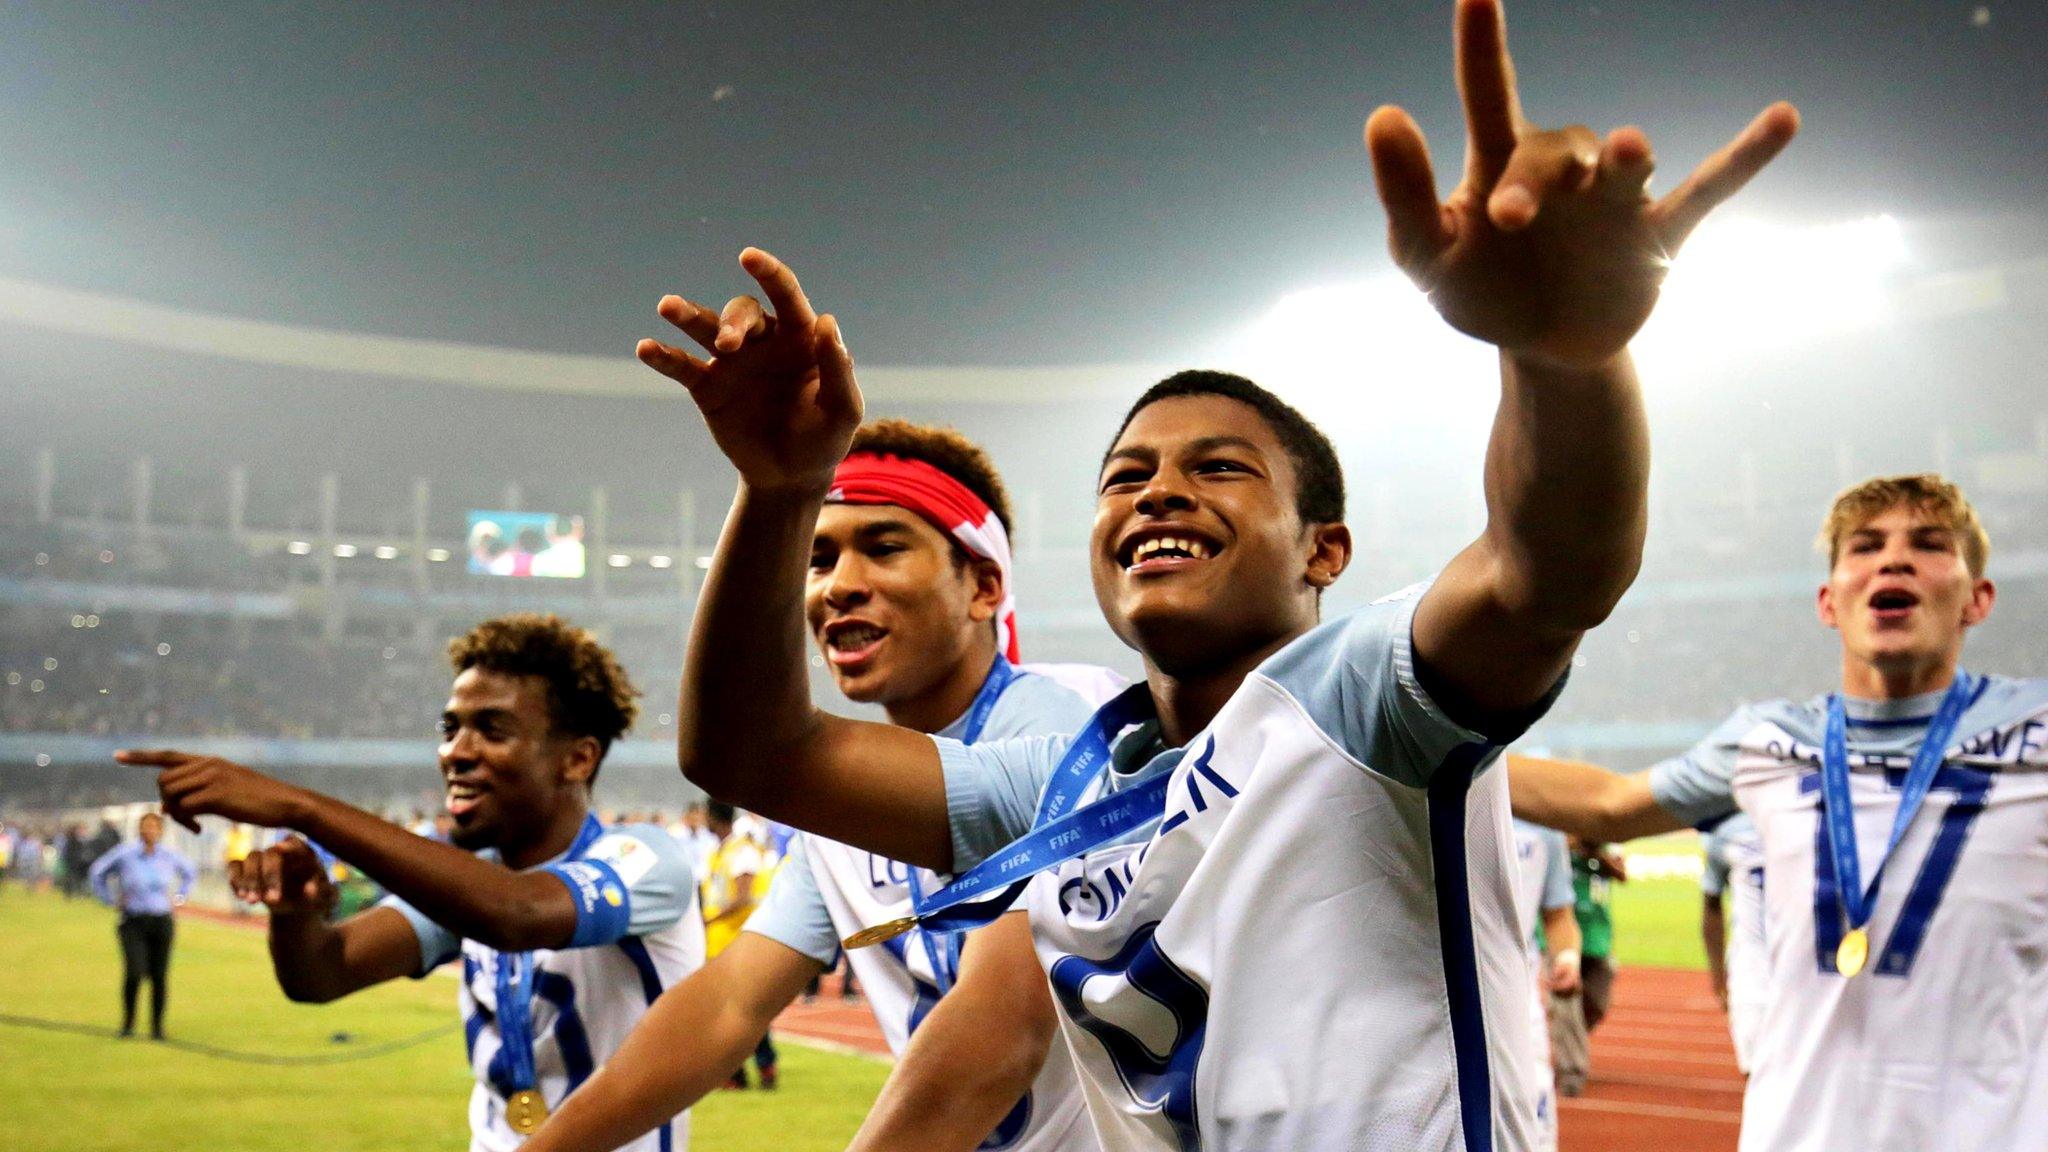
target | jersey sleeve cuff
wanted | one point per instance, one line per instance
(604, 907)
(1680, 793)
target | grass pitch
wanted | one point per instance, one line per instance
(87, 1093)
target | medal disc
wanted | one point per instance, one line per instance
(1853, 953)
(888, 930)
(524, 1111)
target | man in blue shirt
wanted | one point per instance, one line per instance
(151, 879)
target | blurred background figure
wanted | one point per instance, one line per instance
(735, 877)
(145, 880)
(1574, 1014)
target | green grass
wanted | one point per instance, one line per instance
(1657, 923)
(79, 1093)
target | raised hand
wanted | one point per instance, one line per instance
(286, 877)
(777, 390)
(194, 786)
(1550, 246)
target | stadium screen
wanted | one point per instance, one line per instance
(526, 544)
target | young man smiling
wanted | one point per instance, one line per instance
(1907, 1000)
(1273, 884)
(567, 930)
(908, 596)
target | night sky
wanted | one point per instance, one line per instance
(1017, 184)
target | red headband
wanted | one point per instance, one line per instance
(942, 502)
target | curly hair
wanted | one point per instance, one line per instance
(1924, 492)
(589, 694)
(943, 448)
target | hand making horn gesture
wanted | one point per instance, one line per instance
(1550, 246)
(777, 390)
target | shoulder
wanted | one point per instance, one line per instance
(637, 852)
(1036, 704)
(2004, 699)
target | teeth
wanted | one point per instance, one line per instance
(1184, 545)
(858, 636)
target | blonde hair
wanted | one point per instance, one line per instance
(1924, 492)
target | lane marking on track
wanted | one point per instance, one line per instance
(1674, 1056)
(1667, 1111)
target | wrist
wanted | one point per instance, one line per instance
(1592, 368)
(1565, 956)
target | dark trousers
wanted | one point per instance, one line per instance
(1572, 1020)
(145, 954)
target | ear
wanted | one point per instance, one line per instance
(987, 598)
(1329, 554)
(580, 760)
(1983, 594)
(1824, 606)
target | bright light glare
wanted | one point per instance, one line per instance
(618, 560)
(438, 555)
(345, 551)
(1377, 350)
(299, 547)
(659, 561)
(386, 552)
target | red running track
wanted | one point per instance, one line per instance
(1664, 1077)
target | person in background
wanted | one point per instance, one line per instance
(145, 880)
(1737, 961)
(1544, 903)
(731, 889)
(1574, 1014)
(696, 836)
(74, 862)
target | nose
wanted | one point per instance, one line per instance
(846, 586)
(1163, 493)
(1898, 557)
(460, 748)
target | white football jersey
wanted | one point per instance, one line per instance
(1316, 946)
(826, 891)
(637, 895)
(1941, 1045)
(1735, 871)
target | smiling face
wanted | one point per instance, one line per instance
(1902, 594)
(893, 613)
(1198, 553)
(504, 765)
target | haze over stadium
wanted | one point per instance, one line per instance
(293, 300)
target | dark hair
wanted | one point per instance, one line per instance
(943, 448)
(588, 692)
(720, 811)
(1319, 478)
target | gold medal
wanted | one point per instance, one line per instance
(888, 930)
(524, 1111)
(1854, 952)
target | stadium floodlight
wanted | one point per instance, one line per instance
(163, 649)
(385, 552)
(300, 547)
(345, 551)
(704, 563)
(78, 620)
(618, 560)
(660, 561)
(438, 555)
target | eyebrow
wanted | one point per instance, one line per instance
(479, 714)
(1148, 455)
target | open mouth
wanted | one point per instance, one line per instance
(851, 642)
(1165, 548)
(1893, 604)
(462, 799)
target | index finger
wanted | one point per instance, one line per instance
(150, 757)
(1724, 173)
(780, 286)
(1486, 81)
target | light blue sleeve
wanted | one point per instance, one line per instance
(1698, 785)
(187, 874)
(633, 881)
(1714, 875)
(1355, 676)
(992, 790)
(1557, 871)
(109, 861)
(794, 911)
(1035, 705)
(437, 944)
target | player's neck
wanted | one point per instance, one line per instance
(1188, 699)
(554, 836)
(949, 698)
(1897, 680)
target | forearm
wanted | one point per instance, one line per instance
(1567, 476)
(306, 955)
(1585, 800)
(1714, 937)
(745, 687)
(1560, 932)
(471, 897)
(686, 1046)
(975, 1055)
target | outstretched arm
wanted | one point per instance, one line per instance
(977, 1053)
(471, 897)
(1551, 250)
(778, 395)
(1586, 800)
(687, 1045)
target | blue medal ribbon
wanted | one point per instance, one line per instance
(512, 1068)
(1060, 832)
(943, 948)
(1859, 901)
